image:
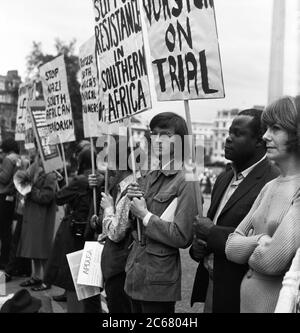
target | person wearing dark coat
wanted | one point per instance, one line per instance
(217, 281)
(8, 168)
(38, 221)
(70, 236)
(153, 268)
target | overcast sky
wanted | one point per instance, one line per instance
(244, 28)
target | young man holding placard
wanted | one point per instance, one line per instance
(166, 210)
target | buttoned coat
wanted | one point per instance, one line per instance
(39, 219)
(227, 275)
(153, 269)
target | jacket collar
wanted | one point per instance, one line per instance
(246, 172)
(247, 184)
(250, 181)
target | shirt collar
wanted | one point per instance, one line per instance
(167, 170)
(245, 172)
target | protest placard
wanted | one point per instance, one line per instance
(92, 114)
(48, 151)
(58, 105)
(25, 95)
(82, 291)
(121, 60)
(90, 273)
(184, 49)
(29, 134)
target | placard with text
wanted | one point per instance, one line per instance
(58, 104)
(121, 59)
(184, 49)
(92, 114)
(48, 151)
(26, 91)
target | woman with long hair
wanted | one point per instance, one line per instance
(116, 229)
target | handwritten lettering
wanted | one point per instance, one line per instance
(119, 47)
(87, 262)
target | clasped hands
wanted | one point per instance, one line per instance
(201, 229)
(138, 204)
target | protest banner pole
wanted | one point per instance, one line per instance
(64, 160)
(134, 174)
(34, 94)
(193, 147)
(93, 171)
(57, 185)
(132, 150)
(106, 171)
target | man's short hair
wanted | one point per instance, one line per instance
(166, 120)
(170, 120)
(257, 126)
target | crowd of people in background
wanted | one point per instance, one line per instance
(243, 246)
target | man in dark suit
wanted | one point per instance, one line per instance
(217, 281)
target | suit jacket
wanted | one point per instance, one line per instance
(227, 275)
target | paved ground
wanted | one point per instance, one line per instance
(188, 268)
(48, 305)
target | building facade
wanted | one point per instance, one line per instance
(9, 86)
(221, 128)
(204, 133)
(139, 128)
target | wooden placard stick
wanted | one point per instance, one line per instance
(64, 160)
(193, 149)
(134, 174)
(93, 172)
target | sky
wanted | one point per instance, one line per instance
(244, 29)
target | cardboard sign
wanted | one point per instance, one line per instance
(90, 273)
(29, 133)
(48, 151)
(58, 105)
(25, 95)
(184, 48)
(82, 291)
(121, 60)
(92, 114)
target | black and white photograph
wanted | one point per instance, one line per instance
(149, 160)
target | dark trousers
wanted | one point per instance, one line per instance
(6, 218)
(117, 299)
(17, 265)
(92, 304)
(152, 307)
